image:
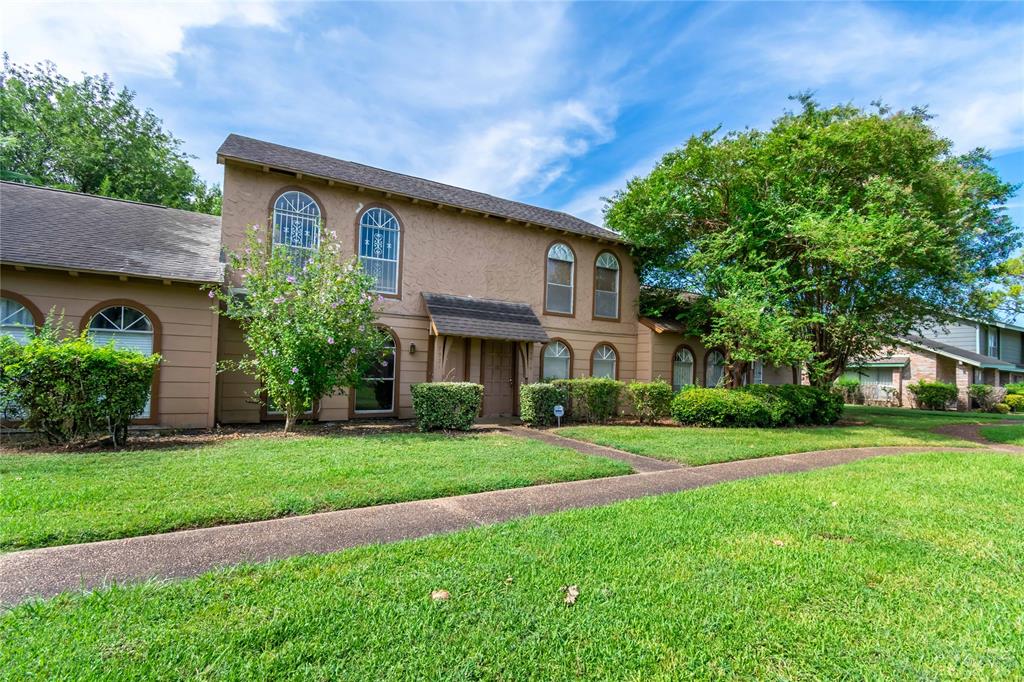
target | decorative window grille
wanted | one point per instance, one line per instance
(715, 368)
(297, 224)
(15, 320)
(557, 359)
(379, 242)
(376, 393)
(127, 328)
(758, 372)
(682, 369)
(604, 361)
(606, 286)
(561, 276)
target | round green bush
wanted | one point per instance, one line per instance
(1015, 402)
(1001, 408)
(537, 403)
(933, 395)
(446, 406)
(650, 400)
(721, 407)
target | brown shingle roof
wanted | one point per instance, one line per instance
(54, 228)
(299, 161)
(483, 319)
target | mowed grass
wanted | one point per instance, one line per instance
(905, 567)
(874, 426)
(1011, 435)
(66, 498)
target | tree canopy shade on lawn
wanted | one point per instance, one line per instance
(66, 498)
(844, 228)
(872, 427)
(90, 137)
(891, 568)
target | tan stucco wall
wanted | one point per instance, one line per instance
(442, 251)
(187, 331)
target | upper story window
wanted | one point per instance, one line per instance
(993, 342)
(297, 222)
(15, 320)
(379, 248)
(606, 286)
(605, 362)
(561, 277)
(682, 369)
(556, 363)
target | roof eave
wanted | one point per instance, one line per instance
(222, 158)
(114, 273)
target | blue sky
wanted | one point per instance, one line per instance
(553, 104)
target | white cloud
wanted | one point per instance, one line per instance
(117, 38)
(589, 202)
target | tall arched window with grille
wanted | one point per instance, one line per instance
(561, 278)
(714, 368)
(129, 329)
(556, 361)
(380, 236)
(297, 219)
(682, 369)
(605, 362)
(606, 286)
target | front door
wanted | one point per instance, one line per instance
(499, 372)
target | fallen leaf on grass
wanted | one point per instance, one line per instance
(440, 595)
(778, 543)
(571, 593)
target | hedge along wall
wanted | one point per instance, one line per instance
(446, 406)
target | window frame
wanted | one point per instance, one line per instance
(568, 347)
(593, 357)
(154, 321)
(693, 367)
(618, 287)
(353, 413)
(272, 210)
(33, 310)
(401, 244)
(707, 365)
(573, 279)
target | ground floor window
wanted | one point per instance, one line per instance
(556, 361)
(715, 366)
(682, 369)
(605, 361)
(376, 394)
(129, 329)
(881, 376)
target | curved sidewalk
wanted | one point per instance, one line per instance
(52, 570)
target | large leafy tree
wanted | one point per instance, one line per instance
(850, 227)
(89, 136)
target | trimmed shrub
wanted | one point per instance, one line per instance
(537, 403)
(801, 405)
(721, 407)
(446, 406)
(782, 408)
(849, 388)
(933, 395)
(1001, 408)
(1014, 389)
(70, 390)
(1015, 402)
(650, 401)
(592, 399)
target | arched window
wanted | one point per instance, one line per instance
(682, 369)
(379, 248)
(128, 328)
(714, 368)
(604, 362)
(606, 286)
(297, 223)
(376, 393)
(561, 276)
(556, 361)
(16, 320)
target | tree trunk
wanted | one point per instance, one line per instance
(289, 421)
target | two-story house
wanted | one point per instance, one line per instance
(964, 353)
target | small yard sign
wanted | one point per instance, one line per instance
(559, 412)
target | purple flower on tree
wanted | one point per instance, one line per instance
(291, 382)
(210, 294)
(290, 279)
(295, 370)
(353, 351)
(279, 299)
(330, 340)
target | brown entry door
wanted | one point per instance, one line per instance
(499, 378)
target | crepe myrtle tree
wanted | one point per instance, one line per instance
(307, 317)
(860, 225)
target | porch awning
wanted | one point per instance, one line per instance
(483, 319)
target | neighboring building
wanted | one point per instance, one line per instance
(964, 353)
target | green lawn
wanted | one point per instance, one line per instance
(66, 498)
(696, 446)
(1011, 435)
(902, 567)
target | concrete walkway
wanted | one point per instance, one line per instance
(49, 571)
